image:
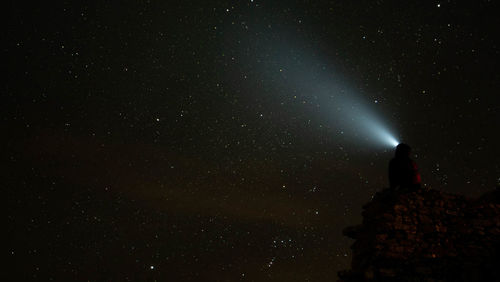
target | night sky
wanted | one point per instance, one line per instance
(231, 140)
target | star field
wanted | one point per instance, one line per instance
(220, 140)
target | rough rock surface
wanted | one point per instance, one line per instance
(426, 235)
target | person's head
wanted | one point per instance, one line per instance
(403, 151)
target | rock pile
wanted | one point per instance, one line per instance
(426, 235)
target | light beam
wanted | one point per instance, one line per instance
(301, 72)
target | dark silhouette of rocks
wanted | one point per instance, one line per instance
(426, 235)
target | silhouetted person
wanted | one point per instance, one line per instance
(403, 171)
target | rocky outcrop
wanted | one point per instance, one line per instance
(426, 235)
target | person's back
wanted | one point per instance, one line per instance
(403, 172)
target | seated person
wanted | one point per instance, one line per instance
(403, 171)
